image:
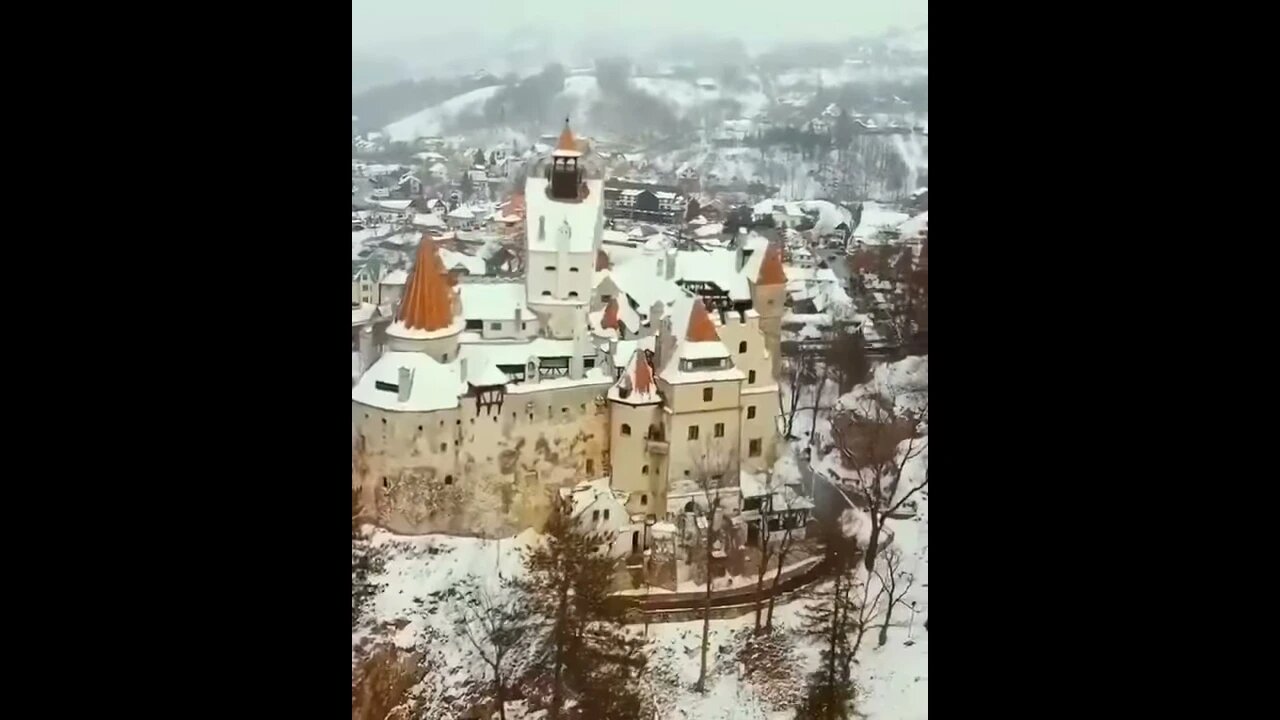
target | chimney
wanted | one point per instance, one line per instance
(367, 354)
(660, 264)
(405, 385)
(666, 344)
(462, 369)
(655, 318)
(671, 264)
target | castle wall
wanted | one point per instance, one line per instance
(479, 474)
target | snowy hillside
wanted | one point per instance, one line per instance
(431, 120)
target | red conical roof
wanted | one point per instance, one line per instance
(610, 317)
(643, 381)
(771, 272)
(428, 301)
(701, 329)
(602, 260)
(566, 139)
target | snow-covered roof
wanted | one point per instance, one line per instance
(453, 260)
(912, 228)
(582, 220)
(636, 385)
(482, 371)
(784, 496)
(709, 230)
(494, 301)
(362, 313)
(433, 386)
(395, 277)
(517, 352)
(591, 492)
(397, 205)
(462, 212)
(696, 339)
(428, 220)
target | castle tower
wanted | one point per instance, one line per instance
(563, 172)
(768, 297)
(430, 317)
(564, 226)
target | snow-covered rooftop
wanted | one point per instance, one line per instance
(433, 386)
(494, 301)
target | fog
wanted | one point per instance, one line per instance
(427, 37)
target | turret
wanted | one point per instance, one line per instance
(429, 318)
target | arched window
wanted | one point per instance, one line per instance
(546, 293)
(573, 293)
(644, 471)
(386, 483)
(551, 268)
(626, 429)
(448, 479)
(742, 346)
(573, 269)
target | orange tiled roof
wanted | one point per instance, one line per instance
(428, 300)
(701, 329)
(610, 317)
(771, 272)
(643, 381)
(602, 260)
(566, 138)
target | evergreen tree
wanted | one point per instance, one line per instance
(588, 650)
(830, 691)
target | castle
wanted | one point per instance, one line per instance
(646, 378)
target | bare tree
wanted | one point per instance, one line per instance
(876, 441)
(793, 368)
(496, 625)
(791, 500)
(714, 462)
(896, 583)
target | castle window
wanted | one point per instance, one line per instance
(751, 411)
(595, 516)
(591, 468)
(444, 446)
(754, 448)
(716, 480)
(751, 376)
(693, 432)
(626, 429)
(384, 422)
(644, 470)
(495, 326)
(551, 268)
(448, 479)
(706, 394)
(546, 293)
(573, 293)
(444, 357)
(573, 269)
(419, 428)
(475, 324)
(719, 429)
(742, 346)
(386, 483)
(644, 500)
(606, 514)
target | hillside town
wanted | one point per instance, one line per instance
(636, 436)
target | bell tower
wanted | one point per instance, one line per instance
(563, 173)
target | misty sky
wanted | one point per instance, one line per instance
(387, 27)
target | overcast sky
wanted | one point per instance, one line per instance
(386, 27)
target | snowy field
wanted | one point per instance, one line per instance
(421, 575)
